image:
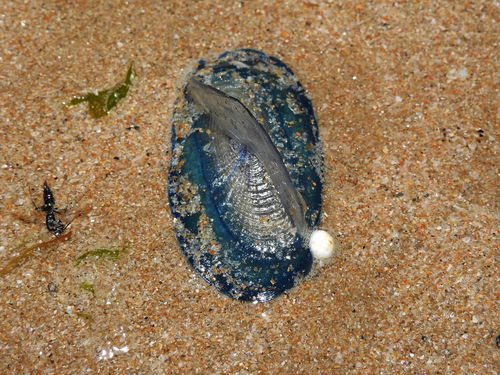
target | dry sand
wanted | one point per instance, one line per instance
(406, 95)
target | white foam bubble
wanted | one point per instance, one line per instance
(321, 244)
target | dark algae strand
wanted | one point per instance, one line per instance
(104, 101)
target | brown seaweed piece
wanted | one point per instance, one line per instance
(27, 253)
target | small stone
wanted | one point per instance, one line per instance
(52, 287)
(462, 73)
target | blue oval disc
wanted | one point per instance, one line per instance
(245, 178)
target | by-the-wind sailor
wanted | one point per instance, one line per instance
(245, 177)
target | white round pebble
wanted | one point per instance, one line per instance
(321, 244)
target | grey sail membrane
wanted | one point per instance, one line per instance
(245, 177)
(228, 115)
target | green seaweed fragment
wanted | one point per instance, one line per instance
(101, 253)
(88, 287)
(104, 101)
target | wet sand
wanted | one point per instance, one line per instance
(406, 96)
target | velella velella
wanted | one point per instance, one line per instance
(245, 179)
